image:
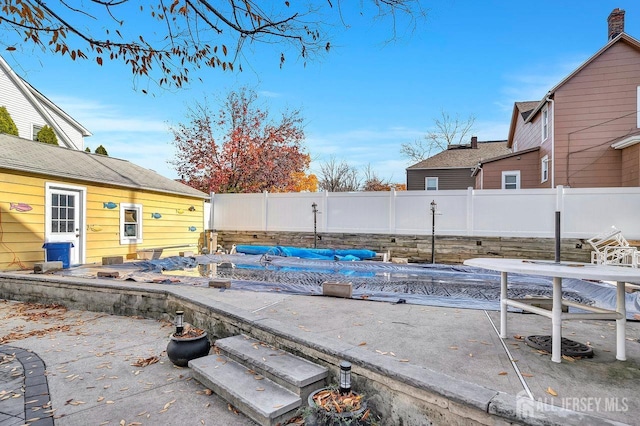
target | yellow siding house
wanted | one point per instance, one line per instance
(104, 206)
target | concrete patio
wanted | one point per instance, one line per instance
(417, 364)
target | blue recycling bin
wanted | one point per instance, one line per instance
(58, 252)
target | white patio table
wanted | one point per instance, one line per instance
(557, 271)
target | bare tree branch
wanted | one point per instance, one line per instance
(448, 131)
(171, 39)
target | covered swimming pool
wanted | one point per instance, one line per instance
(456, 286)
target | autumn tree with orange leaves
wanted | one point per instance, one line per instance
(168, 40)
(240, 149)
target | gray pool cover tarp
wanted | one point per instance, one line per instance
(456, 286)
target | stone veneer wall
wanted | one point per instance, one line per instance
(417, 248)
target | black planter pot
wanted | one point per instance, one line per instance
(320, 417)
(182, 350)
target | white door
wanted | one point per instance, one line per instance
(64, 219)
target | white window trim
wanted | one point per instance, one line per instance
(34, 134)
(544, 169)
(638, 108)
(130, 240)
(426, 179)
(544, 119)
(509, 173)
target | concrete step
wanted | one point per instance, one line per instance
(292, 372)
(255, 396)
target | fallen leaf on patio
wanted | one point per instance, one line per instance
(122, 423)
(470, 354)
(551, 391)
(259, 389)
(404, 360)
(143, 362)
(392, 354)
(455, 348)
(201, 421)
(518, 337)
(168, 404)
(362, 343)
(257, 377)
(141, 414)
(631, 339)
(277, 406)
(32, 420)
(568, 358)
(100, 399)
(540, 351)
(208, 391)
(527, 375)
(109, 402)
(502, 373)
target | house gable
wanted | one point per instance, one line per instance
(584, 114)
(30, 108)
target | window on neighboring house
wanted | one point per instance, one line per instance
(431, 183)
(511, 179)
(544, 169)
(130, 223)
(34, 131)
(545, 123)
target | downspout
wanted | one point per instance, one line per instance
(553, 142)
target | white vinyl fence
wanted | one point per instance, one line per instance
(585, 212)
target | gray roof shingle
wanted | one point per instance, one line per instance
(36, 157)
(463, 156)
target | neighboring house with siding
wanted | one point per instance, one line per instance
(103, 205)
(585, 132)
(31, 111)
(451, 168)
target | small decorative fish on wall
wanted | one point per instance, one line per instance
(156, 215)
(20, 207)
(180, 211)
(95, 228)
(110, 205)
(192, 228)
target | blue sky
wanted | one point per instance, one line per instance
(367, 96)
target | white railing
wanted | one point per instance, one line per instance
(585, 212)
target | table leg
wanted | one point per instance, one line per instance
(503, 305)
(556, 321)
(621, 353)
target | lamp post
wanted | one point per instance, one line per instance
(433, 231)
(345, 377)
(314, 209)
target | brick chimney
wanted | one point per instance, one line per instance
(616, 23)
(474, 142)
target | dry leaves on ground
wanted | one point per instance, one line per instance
(143, 362)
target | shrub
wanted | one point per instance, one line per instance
(100, 150)
(47, 135)
(7, 124)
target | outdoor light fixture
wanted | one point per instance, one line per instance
(434, 206)
(179, 322)
(345, 377)
(314, 209)
(192, 209)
